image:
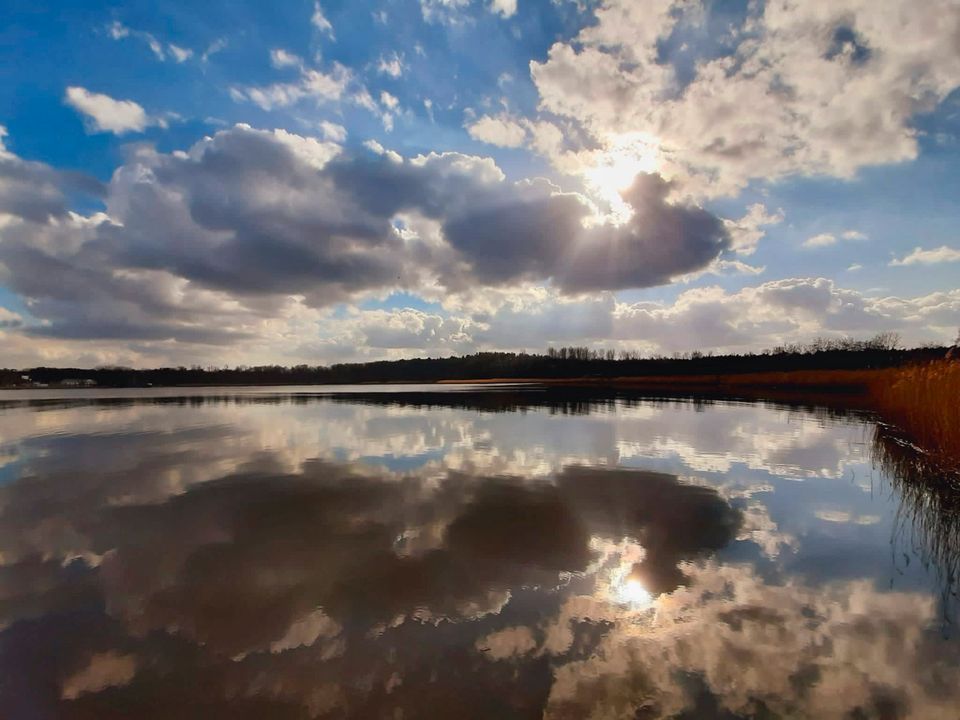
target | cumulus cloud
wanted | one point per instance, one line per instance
(104, 114)
(250, 236)
(534, 317)
(35, 192)
(919, 256)
(501, 131)
(782, 311)
(799, 89)
(505, 8)
(682, 661)
(247, 219)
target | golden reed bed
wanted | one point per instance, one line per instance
(923, 402)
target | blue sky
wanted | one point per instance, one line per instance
(314, 182)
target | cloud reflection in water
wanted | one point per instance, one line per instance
(265, 560)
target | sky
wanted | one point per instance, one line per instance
(243, 183)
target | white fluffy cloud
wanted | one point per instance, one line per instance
(919, 256)
(104, 114)
(782, 311)
(501, 131)
(506, 8)
(807, 89)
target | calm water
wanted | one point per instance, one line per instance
(494, 554)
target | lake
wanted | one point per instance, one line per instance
(464, 552)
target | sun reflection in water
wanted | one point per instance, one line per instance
(627, 589)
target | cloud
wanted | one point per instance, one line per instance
(104, 114)
(391, 65)
(410, 329)
(443, 11)
(104, 670)
(506, 8)
(821, 240)
(796, 89)
(175, 532)
(280, 58)
(747, 232)
(250, 237)
(828, 239)
(320, 87)
(783, 311)
(246, 219)
(9, 319)
(213, 48)
(34, 192)
(320, 22)
(179, 54)
(500, 131)
(333, 132)
(683, 664)
(161, 51)
(537, 232)
(388, 101)
(919, 256)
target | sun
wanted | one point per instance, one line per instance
(632, 592)
(628, 589)
(613, 170)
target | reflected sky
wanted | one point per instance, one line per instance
(492, 554)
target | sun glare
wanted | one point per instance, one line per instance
(627, 589)
(634, 593)
(615, 169)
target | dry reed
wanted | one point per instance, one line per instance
(923, 402)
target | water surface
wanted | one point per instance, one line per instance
(456, 552)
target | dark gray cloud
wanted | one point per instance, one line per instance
(199, 246)
(36, 192)
(534, 234)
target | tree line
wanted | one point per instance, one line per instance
(576, 361)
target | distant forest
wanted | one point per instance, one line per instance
(882, 351)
